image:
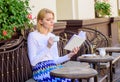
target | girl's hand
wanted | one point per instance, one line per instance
(50, 42)
(73, 52)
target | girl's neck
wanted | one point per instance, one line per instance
(45, 31)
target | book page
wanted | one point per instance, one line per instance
(74, 42)
(82, 34)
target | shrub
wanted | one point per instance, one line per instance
(102, 9)
(14, 16)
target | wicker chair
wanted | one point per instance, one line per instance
(64, 38)
(94, 38)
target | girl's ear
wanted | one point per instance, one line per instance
(40, 21)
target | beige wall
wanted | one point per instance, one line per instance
(118, 4)
(86, 9)
(36, 5)
(70, 9)
(64, 9)
(75, 9)
(114, 8)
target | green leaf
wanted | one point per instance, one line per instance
(103, 8)
(13, 13)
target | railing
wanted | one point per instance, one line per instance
(14, 63)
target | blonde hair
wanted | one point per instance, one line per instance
(41, 16)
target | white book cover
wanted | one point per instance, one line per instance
(76, 41)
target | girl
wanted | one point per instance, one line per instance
(42, 50)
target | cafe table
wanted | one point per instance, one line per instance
(76, 64)
(94, 60)
(110, 50)
(74, 73)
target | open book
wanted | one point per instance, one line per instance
(75, 41)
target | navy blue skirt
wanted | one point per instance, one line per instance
(41, 72)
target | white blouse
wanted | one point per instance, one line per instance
(38, 50)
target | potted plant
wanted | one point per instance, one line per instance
(14, 16)
(102, 9)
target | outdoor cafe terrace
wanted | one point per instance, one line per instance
(101, 32)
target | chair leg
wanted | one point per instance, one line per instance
(113, 68)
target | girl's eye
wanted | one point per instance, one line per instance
(49, 19)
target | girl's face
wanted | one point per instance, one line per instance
(48, 22)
